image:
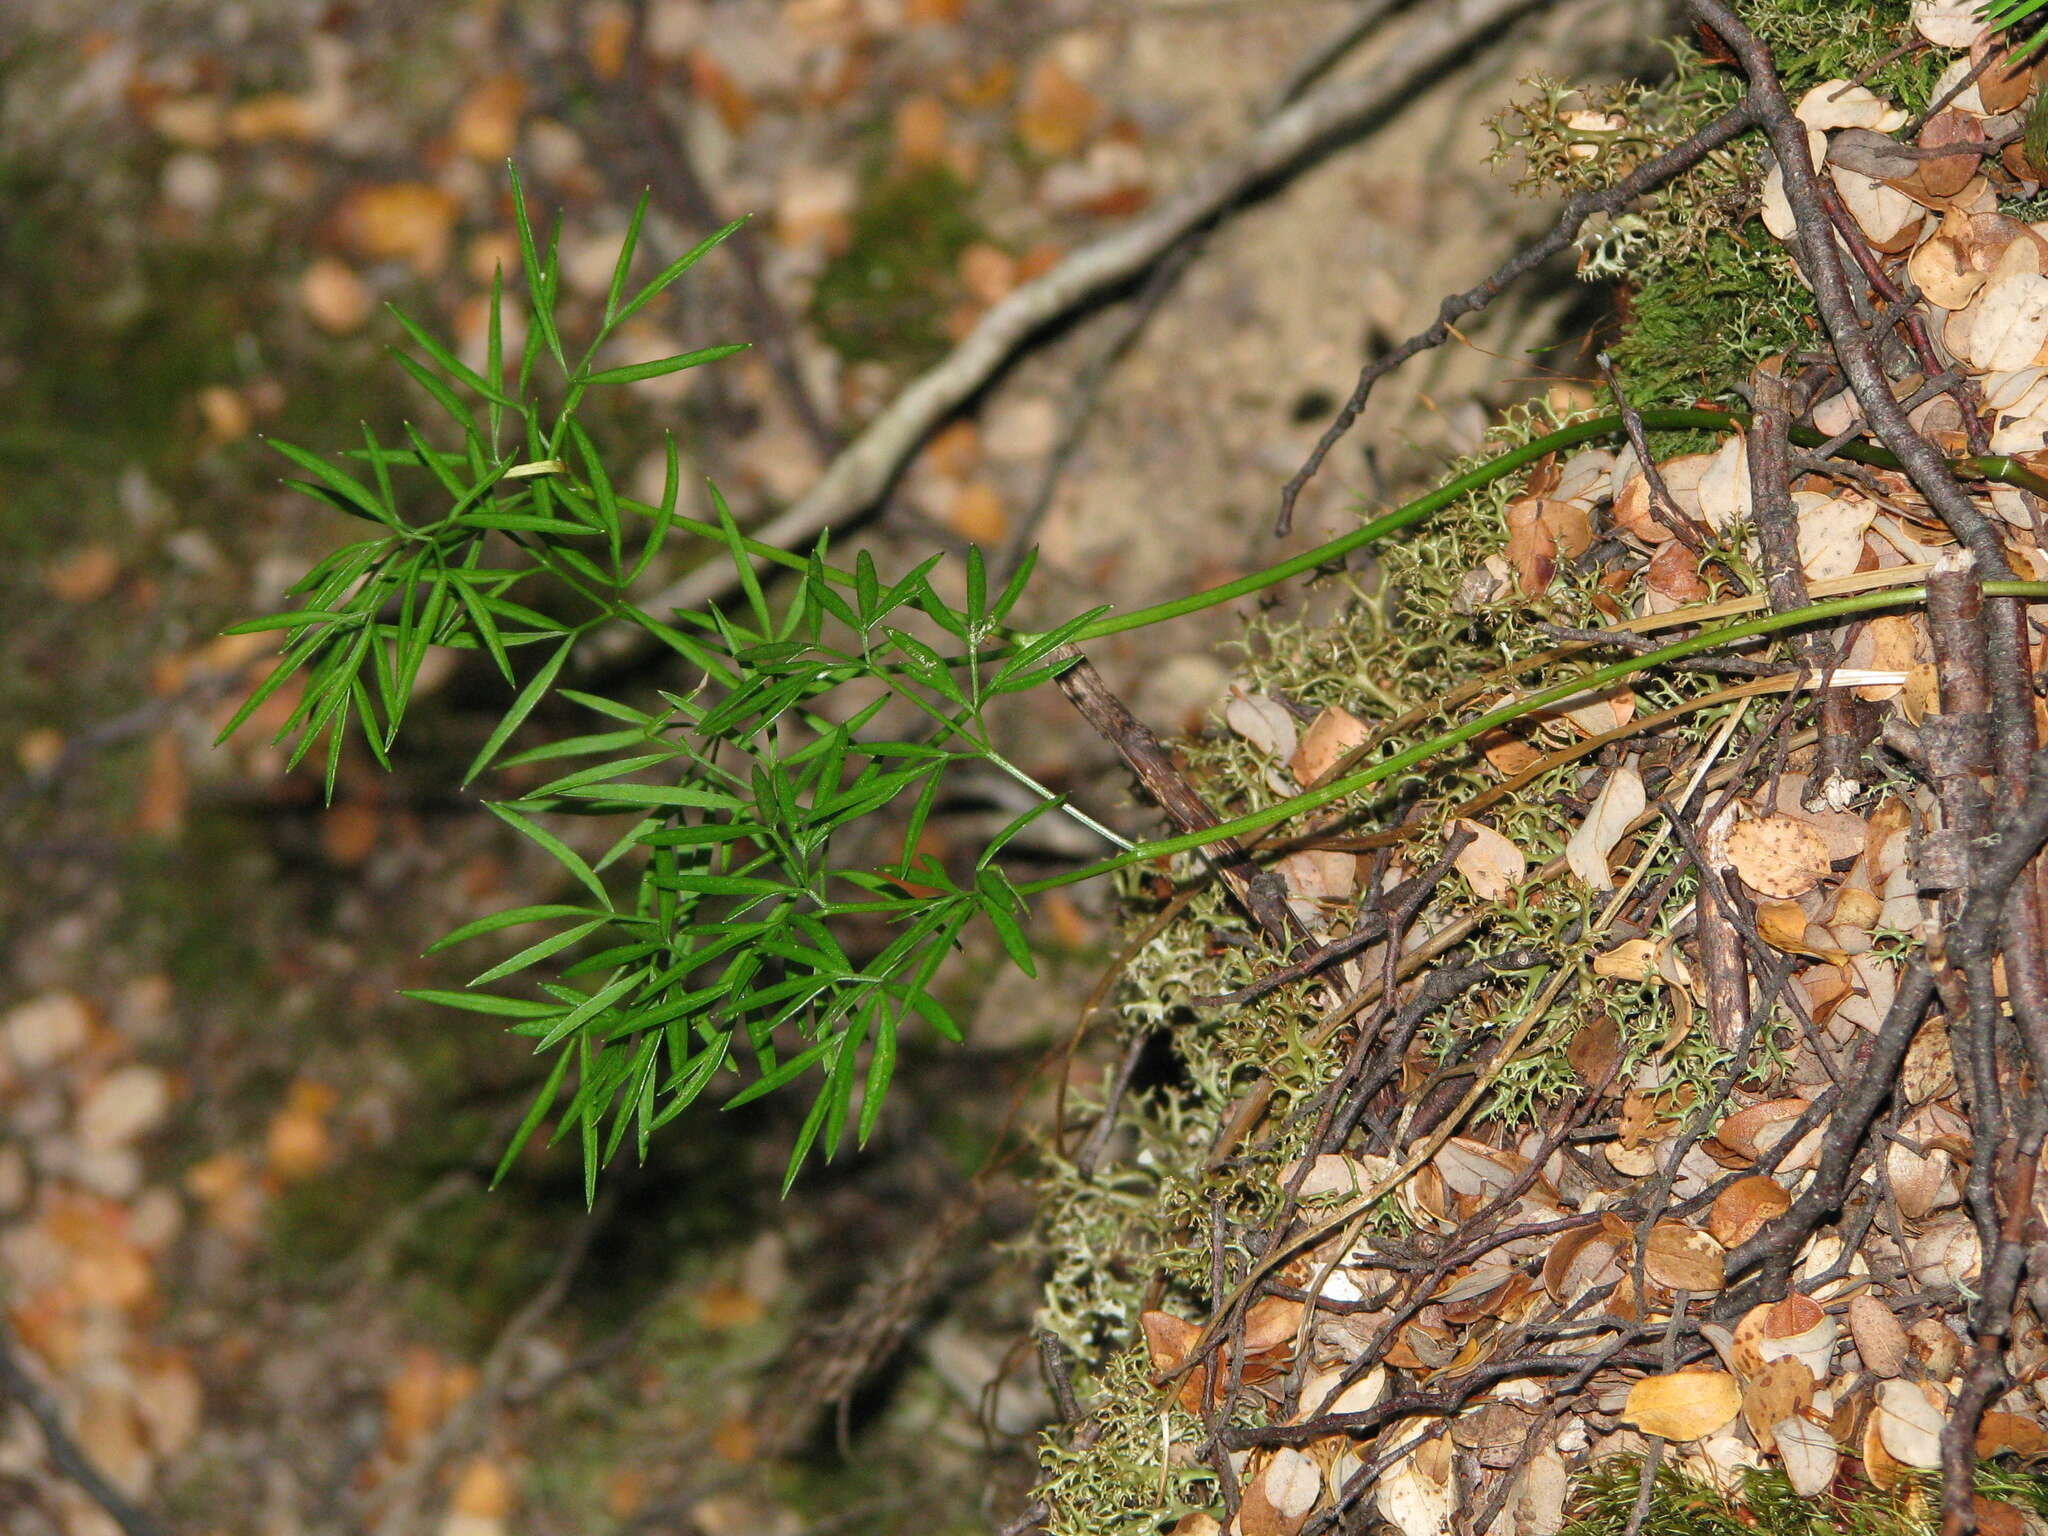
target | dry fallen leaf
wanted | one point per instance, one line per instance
(1293, 1483)
(1263, 722)
(1168, 1339)
(1330, 737)
(483, 1490)
(922, 130)
(977, 514)
(87, 573)
(1780, 1389)
(1941, 266)
(1809, 1456)
(1783, 926)
(1744, 1206)
(400, 221)
(1880, 1341)
(1493, 865)
(1685, 1405)
(1057, 113)
(1682, 1259)
(1417, 1495)
(334, 298)
(2007, 323)
(1778, 856)
(1909, 1423)
(486, 125)
(1933, 1343)
(1630, 960)
(1831, 530)
(1531, 546)
(2011, 1434)
(1621, 800)
(1839, 104)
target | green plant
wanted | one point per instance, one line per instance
(709, 937)
(2005, 15)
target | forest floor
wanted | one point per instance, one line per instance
(245, 1235)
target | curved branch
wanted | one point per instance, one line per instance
(858, 478)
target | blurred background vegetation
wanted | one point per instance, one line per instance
(244, 1231)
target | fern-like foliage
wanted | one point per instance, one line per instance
(703, 938)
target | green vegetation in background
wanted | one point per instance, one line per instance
(885, 298)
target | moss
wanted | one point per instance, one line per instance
(1707, 292)
(194, 942)
(885, 298)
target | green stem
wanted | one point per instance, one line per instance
(1598, 678)
(1689, 419)
(1401, 517)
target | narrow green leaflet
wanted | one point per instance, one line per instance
(655, 368)
(535, 690)
(724, 907)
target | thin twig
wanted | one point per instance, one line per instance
(1667, 510)
(1332, 113)
(403, 1494)
(1648, 176)
(65, 1453)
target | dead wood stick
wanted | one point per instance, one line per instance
(1855, 346)
(1648, 176)
(1986, 1375)
(1339, 109)
(402, 1496)
(1973, 936)
(64, 1451)
(1261, 895)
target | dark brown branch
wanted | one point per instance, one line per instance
(1648, 176)
(1970, 937)
(1855, 347)
(1662, 503)
(1261, 895)
(1052, 1360)
(65, 1453)
(1985, 1374)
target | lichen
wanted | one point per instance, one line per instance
(1706, 296)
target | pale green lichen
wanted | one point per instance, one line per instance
(1708, 295)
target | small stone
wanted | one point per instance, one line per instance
(334, 297)
(115, 1172)
(44, 1030)
(143, 1006)
(814, 207)
(193, 183)
(1022, 429)
(674, 28)
(123, 1106)
(155, 1218)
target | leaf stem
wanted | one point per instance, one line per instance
(1599, 677)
